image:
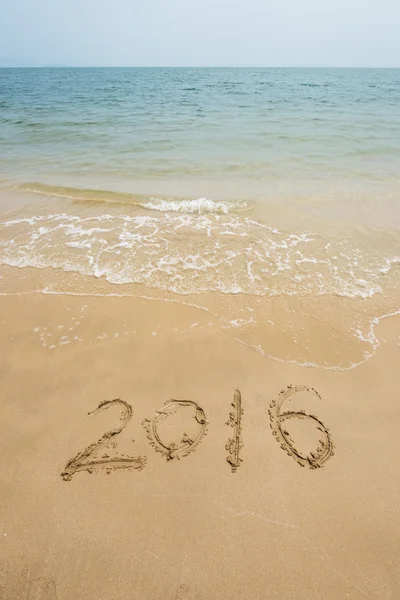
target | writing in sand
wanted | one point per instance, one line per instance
(102, 454)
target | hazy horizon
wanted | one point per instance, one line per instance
(56, 66)
(210, 33)
(23, 65)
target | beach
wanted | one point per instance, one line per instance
(189, 528)
(199, 365)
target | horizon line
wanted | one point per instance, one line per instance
(58, 66)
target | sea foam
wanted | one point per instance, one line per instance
(190, 253)
(198, 205)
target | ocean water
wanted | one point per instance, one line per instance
(240, 133)
(224, 188)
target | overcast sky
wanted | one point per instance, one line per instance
(201, 32)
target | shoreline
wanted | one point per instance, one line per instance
(370, 336)
(221, 309)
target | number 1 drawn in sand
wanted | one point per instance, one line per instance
(234, 444)
(89, 460)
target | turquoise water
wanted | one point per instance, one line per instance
(227, 189)
(221, 133)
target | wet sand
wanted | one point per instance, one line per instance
(187, 528)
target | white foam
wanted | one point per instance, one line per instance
(194, 253)
(236, 323)
(198, 205)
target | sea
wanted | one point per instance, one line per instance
(267, 197)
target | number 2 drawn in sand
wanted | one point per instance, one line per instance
(89, 460)
(324, 451)
(234, 444)
(187, 443)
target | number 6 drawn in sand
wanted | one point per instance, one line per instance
(89, 460)
(324, 451)
(188, 443)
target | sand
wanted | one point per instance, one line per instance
(126, 522)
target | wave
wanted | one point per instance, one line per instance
(233, 266)
(182, 205)
(198, 205)
(191, 254)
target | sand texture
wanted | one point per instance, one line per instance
(138, 463)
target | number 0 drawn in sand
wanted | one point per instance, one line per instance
(90, 459)
(234, 444)
(187, 443)
(324, 451)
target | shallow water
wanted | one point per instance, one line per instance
(242, 133)
(223, 188)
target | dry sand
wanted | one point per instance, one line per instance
(188, 529)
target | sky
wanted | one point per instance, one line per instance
(259, 33)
